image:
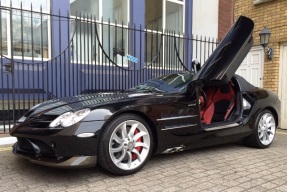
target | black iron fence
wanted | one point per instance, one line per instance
(45, 56)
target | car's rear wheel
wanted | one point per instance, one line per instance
(263, 131)
(125, 145)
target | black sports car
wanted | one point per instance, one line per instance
(172, 113)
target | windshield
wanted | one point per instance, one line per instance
(167, 83)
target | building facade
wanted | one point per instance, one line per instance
(270, 14)
(181, 16)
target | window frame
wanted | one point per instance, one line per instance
(163, 31)
(8, 32)
(164, 13)
(112, 24)
(164, 25)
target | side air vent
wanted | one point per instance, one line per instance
(33, 146)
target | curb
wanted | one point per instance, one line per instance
(7, 140)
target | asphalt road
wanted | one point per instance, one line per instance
(231, 167)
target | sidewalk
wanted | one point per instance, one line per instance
(6, 139)
(229, 168)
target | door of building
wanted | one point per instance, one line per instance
(252, 67)
(283, 86)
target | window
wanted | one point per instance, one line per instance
(116, 11)
(90, 7)
(3, 35)
(29, 29)
(113, 10)
(153, 16)
(114, 39)
(174, 17)
(167, 16)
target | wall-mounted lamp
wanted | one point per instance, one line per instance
(264, 40)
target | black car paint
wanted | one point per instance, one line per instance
(267, 100)
(161, 111)
(226, 58)
(152, 107)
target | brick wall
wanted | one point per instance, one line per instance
(272, 14)
(225, 16)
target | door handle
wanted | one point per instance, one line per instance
(192, 105)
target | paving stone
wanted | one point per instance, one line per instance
(218, 188)
(234, 189)
(282, 187)
(280, 181)
(231, 167)
(257, 189)
(205, 185)
(193, 189)
(269, 185)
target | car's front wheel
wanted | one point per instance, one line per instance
(125, 145)
(263, 131)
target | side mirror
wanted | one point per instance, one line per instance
(196, 65)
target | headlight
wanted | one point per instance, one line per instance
(69, 118)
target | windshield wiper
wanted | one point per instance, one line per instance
(145, 88)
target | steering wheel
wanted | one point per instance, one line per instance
(202, 98)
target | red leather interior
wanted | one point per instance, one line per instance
(206, 113)
(214, 95)
(201, 101)
(219, 95)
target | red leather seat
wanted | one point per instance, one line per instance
(206, 113)
(223, 100)
(219, 103)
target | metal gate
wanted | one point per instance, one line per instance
(46, 56)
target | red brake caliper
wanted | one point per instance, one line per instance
(134, 156)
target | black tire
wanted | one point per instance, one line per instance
(254, 139)
(107, 158)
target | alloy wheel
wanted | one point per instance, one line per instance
(129, 145)
(266, 129)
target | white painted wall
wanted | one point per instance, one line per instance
(283, 85)
(205, 18)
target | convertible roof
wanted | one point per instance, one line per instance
(244, 85)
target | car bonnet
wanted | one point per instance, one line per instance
(62, 105)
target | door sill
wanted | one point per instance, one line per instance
(219, 126)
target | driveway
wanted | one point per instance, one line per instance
(231, 167)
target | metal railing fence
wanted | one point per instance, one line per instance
(45, 56)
